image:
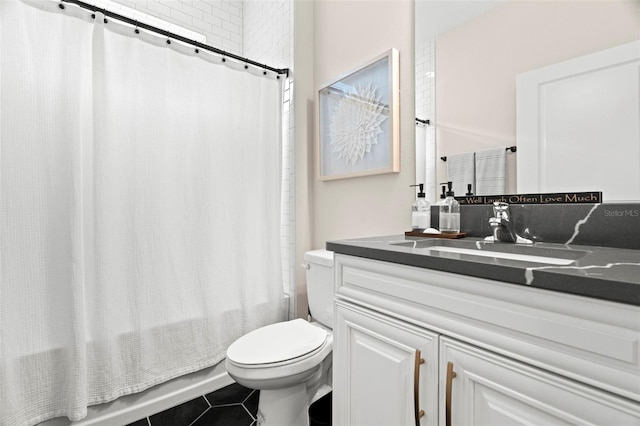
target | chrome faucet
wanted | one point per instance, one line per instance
(503, 229)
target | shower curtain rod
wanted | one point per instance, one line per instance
(174, 36)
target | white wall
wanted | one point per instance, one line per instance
(332, 37)
(476, 64)
(346, 35)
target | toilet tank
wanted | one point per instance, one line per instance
(319, 265)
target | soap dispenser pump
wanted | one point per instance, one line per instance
(450, 213)
(420, 211)
(443, 195)
(469, 191)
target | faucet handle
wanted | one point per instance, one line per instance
(500, 209)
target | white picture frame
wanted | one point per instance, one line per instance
(358, 121)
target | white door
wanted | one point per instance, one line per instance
(384, 371)
(578, 125)
(488, 389)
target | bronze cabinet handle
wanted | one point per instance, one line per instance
(416, 387)
(450, 376)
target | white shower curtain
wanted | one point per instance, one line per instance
(139, 209)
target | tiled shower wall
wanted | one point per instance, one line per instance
(425, 110)
(267, 31)
(261, 31)
(219, 20)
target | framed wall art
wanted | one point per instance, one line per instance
(358, 121)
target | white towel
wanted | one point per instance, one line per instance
(461, 171)
(491, 172)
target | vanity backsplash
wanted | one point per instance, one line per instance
(604, 225)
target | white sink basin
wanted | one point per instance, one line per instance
(539, 253)
(504, 255)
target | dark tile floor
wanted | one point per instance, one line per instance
(233, 405)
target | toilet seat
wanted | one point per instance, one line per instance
(280, 343)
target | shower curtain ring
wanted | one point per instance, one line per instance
(137, 31)
(195, 44)
(104, 12)
(61, 5)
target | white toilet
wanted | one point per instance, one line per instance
(290, 362)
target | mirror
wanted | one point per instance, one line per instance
(468, 54)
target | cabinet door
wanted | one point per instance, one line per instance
(478, 387)
(384, 370)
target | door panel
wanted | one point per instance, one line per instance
(375, 370)
(492, 390)
(579, 125)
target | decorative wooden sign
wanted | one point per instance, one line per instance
(593, 197)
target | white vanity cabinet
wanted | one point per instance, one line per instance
(387, 370)
(415, 346)
(488, 389)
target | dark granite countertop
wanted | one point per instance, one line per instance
(600, 272)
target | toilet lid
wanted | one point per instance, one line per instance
(277, 342)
